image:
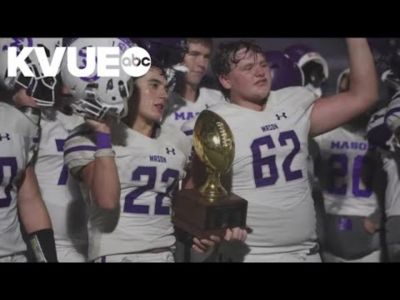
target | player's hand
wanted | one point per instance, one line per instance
(100, 126)
(21, 98)
(204, 245)
(236, 233)
(370, 225)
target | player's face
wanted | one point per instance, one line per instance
(153, 95)
(21, 98)
(250, 79)
(196, 60)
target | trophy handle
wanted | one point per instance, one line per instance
(212, 189)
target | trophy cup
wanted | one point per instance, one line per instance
(210, 210)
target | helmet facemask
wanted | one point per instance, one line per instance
(39, 87)
(97, 97)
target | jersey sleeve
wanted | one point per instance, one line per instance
(293, 100)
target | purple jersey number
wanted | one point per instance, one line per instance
(338, 170)
(10, 162)
(361, 162)
(62, 180)
(151, 173)
(259, 162)
(166, 176)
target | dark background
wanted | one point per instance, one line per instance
(332, 49)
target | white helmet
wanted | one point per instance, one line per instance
(314, 66)
(95, 96)
(343, 81)
(41, 88)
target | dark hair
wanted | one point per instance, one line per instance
(225, 58)
(208, 42)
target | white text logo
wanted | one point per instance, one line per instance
(102, 61)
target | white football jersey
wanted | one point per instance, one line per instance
(18, 143)
(148, 169)
(180, 110)
(270, 169)
(346, 173)
(60, 191)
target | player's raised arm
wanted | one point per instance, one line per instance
(331, 112)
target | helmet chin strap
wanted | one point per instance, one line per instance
(180, 68)
(172, 73)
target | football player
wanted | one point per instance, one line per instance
(20, 197)
(271, 130)
(131, 169)
(348, 172)
(189, 97)
(60, 191)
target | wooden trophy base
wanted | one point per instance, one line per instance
(193, 213)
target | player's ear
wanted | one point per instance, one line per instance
(225, 82)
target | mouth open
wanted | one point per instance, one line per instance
(160, 107)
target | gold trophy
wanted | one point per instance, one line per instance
(210, 210)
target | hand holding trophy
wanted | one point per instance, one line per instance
(210, 210)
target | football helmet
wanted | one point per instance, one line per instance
(313, 65)
(284, 71)
(39, 87)
(95, 96)
(343, 81)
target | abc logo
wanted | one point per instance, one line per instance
(136, 61)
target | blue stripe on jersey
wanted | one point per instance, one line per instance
(391, 112)
(80, 148)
